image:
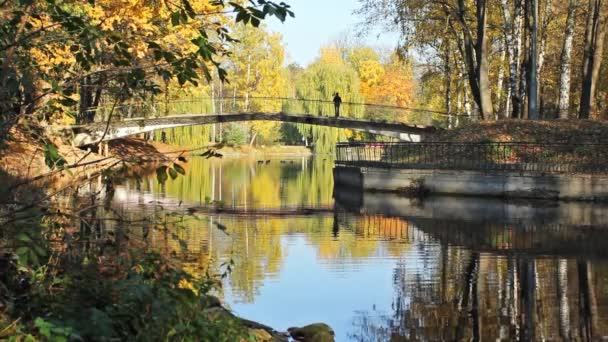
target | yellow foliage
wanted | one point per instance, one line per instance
(371, 74)
(331, 55)
(394, 85)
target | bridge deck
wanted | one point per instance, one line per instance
(126, 127)
(198, 119)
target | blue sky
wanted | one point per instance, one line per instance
(317, 23)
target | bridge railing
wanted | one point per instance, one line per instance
(233, 105)
(491, 156)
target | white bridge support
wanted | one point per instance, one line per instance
(93, 133)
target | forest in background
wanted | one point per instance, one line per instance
(471, 58)
(486, 50)
(257, 65)
(483, 59)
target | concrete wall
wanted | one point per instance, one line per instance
(475, 183)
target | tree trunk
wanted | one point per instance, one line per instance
(447, 69)
(467, 102)
(458, 107)
(213, 133)
(533, 66)
(544, 31)
(562, 294)
(485, 105)
(475, 55)
(501, 75)
(255, 134)
(513, 28)
(548, 16)
(525, 66)
(221, 97)
(565, 61)
(594, 46)
(248, 80)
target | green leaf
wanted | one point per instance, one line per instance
(44, 327)
(175, 18)
(161, 174)
(182, 159)
(24, 237)
(39, 251)
(172, 173)
(179, 168)
(52, 158)
(22, 251)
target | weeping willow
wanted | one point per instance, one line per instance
(319, 82)
(184, 104)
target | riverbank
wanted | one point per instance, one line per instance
(154, 150)
(22, 159)
(534, 131)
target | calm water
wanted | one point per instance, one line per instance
(380, 267)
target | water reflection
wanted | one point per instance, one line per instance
(380, 267)
(526, 271)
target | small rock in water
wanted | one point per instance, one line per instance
(317, 332)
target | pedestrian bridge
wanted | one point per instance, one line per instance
(406, 124)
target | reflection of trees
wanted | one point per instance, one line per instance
(479, 296)
(258, 252)
(247, 182)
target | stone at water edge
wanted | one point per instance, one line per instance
(317, 332)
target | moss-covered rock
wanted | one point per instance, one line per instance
(317, 332)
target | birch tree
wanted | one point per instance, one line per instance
(565, 62)
(513, 39)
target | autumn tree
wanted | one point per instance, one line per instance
(500, 45)
(58, 54)
(258, 62)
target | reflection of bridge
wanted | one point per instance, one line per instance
(494, 226)
(405, 124)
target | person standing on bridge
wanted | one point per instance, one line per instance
(337, 103)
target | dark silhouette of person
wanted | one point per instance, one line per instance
(337, 102)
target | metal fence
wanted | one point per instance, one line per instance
(491, 156)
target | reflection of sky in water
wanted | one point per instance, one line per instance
(380, 275)
(310, 290)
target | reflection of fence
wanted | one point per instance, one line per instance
(233, 105)
(507, 156)
(381, 227)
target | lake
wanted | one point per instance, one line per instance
(378, 267)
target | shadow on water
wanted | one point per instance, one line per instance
(535, 228)
(504, 270)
